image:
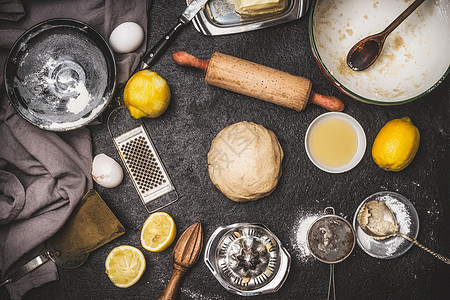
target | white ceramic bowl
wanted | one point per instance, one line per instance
(415, 57)
(361, 142)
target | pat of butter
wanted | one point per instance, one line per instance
(258, 6)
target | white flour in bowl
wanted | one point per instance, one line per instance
(78, 103)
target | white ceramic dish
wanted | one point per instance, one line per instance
(361, 142)
(414, 60)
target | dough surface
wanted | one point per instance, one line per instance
(244, 161)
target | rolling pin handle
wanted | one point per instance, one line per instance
(328, 102)
(185, 59)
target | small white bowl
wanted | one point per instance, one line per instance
(361, 142)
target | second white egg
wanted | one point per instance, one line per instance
(126, 37)
(106, 171)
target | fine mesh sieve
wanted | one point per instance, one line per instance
(331, 239)
(247, 259)
(142, 162)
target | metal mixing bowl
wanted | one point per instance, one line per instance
(60, 74)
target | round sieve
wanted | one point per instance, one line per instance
(331, 239)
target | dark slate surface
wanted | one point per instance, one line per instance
(183, 135)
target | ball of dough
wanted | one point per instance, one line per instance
(244, 161)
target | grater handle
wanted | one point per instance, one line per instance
(164, 205)
(108, 126)
(173, 286)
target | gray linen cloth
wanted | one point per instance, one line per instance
(44, 175)
(11, 10)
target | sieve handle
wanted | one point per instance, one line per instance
(329, 208)
(331, 283)
(415, 242)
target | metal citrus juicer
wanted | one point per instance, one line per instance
(331, 239)
(247, 259)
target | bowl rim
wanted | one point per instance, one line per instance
(360, 151)
(347, 91)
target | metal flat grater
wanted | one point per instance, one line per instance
(143, 165)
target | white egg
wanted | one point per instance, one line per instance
(106, 171)
(126, 37)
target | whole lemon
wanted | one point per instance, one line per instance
(146, 95)
(396, 145)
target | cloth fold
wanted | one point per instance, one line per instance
(43, 174)
(11, 10)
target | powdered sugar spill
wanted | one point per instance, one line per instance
(193, 295)
(300, 239)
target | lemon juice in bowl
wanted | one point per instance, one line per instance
(335, 142)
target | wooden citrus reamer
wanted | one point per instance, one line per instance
(185, 254)
(258, 81)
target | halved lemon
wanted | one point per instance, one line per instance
(158, 232)
(125, 265)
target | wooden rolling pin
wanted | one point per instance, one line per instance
(261, 82)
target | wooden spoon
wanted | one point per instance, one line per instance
(185, 255)
(365, 52)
